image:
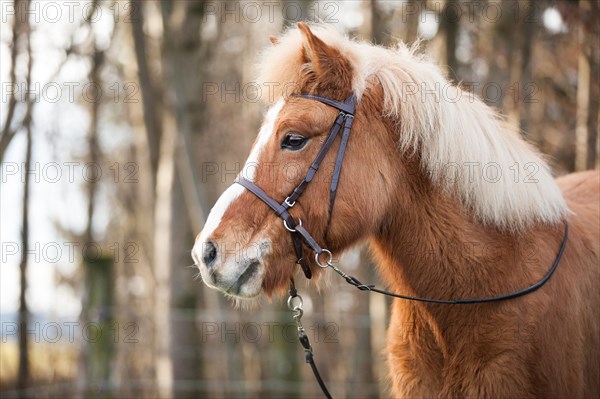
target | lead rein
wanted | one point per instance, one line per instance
(302, 337)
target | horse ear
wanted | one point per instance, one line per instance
(274, 40)
(326, 61)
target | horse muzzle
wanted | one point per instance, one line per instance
(236, 272)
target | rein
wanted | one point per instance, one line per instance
(324, 257)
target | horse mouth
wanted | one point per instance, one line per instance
(250, 271)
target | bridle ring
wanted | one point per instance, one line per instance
(288, 227)
(290, 303)
(326, 264)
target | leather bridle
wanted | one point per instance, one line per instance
(343, 123)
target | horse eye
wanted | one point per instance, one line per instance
(293, 141)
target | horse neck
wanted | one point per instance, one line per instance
(429, 246)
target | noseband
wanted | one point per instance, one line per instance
(298, 232)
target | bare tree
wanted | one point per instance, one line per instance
(93, 158)
(527, 27)
(412, 20)
(183, 55)
(450, 24)
(20, 29)
(23, 375)
(499, 47)
(162, 259)
(588, 87)
(380, 29)
(151, 101)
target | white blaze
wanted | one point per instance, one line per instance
(248, 172)
(266, 131)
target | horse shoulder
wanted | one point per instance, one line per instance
(582, 187)
(579, 296)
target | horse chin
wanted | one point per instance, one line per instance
(245, 285)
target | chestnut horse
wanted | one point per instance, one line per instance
(454, 204)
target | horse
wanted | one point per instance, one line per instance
(452, 202)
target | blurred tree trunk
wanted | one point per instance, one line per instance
(592, 157)
(380, 29)
(588, 87)
(162, 258)
(450, 25)
(100, 282)
(93, 146)
(97, 61)
(412, 19)
(520, 40)
(20, 28)
(379, 25)
(150, 99)
(526, 71)
(183, 55)
(139, 200)
(89, 237)
(500, 52)
(23, 376)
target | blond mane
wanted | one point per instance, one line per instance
(465, 146)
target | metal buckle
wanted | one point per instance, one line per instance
(287, 202)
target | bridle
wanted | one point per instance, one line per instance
(342, 122)
(299, 234)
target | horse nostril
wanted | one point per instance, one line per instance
(209, 253)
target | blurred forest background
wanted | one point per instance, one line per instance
(123, 121)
